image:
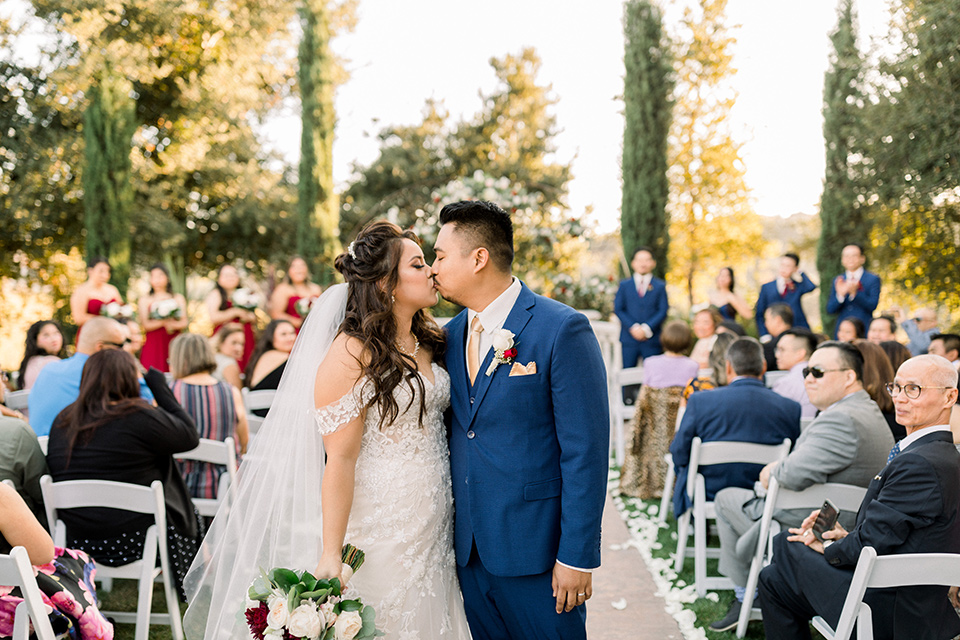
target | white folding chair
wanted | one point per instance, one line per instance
(43, 441)
(17, 400)
(215, 452)
(129, 497)
(847, 497)
(621, 414)
(9, 483)
(770, 377)
(255, 400)
(666, 498)
(15, 571)
(884, 572)
(704, 454)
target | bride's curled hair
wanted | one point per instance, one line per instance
(371, 269)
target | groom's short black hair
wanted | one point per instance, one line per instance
(483, 224)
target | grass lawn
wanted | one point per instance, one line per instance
(123, 597)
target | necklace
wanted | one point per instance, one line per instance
(416, 348)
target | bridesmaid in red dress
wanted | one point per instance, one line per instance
(160, 325)
(86, 300)
(221, 309)
(296, 286)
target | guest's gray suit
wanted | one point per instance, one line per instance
(847, 443)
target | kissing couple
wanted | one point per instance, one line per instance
(468, 463)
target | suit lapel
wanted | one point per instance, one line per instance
(456, 366)
(519, 317)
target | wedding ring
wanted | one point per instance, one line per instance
(581, 594)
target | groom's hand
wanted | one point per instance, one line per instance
(571, 587)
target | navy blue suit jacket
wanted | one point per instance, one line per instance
(745, 410)
(769, 296)
(651, 310)
(861, 306)
(529, 453)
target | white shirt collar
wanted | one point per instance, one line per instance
(919, 433)
(495, 314)
(642, 280)
(854, 275)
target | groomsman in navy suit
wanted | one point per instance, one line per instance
(791, 284)
(641, 304)
(856, 293)
(529, 437)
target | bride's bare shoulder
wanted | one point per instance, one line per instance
(340, 370)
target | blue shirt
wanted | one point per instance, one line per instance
(57, 387)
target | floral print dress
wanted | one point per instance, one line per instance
(66, 585)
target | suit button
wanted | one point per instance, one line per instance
(471, 400)
(466, 481)
(471, 435)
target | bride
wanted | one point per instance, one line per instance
(362, 389)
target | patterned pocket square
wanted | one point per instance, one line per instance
(520, 370)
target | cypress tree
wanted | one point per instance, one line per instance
(318, 212)
(843, 218)
(647, 109)
(108, 126)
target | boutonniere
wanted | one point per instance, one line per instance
(650, 287)
(503, 350)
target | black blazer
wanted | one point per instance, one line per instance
(911, 506)
(137, 448)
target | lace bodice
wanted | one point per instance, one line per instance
(402, 513)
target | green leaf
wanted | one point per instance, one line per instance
(350, 605)
(308, 581)
(284, 578)
(369, 628)
(335, 586)
(319, 595)
(259, 588)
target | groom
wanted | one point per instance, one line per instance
(529, 439)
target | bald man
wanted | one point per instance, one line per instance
(58, 384)
(911, 506)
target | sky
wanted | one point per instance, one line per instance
(402, 53)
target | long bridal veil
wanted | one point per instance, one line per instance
(274, 519)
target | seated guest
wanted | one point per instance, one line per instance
(920, 329)
(134, 338)
(794, 348)
(715, 375)
(778, 318)
(882, 328)
(896, 352)
(111, 433)
(59, 382)
(877, 374)
(44, 345)
(64, 576)
(228, 349)
(847, 443)
(705, 324)
(946, 345)
(216, 408)
(743, 411)
(912, 506)
(22, 462)
(850, 329)
(664, 377)
(270, 357)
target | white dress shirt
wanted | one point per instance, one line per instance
(641, 282)
(848, 276)
(919, 433)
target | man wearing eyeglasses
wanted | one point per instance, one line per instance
(847, 443)
(911, 506)
(58, 384)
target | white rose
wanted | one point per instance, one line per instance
(306, 622)
(348, 625)
(326, 609)
(277, 618)
(502, 340)
(113, 309)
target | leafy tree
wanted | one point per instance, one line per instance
(712, 220)
(647, 108)
(843, 216)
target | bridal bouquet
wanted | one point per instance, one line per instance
(303, 305)
(245, 299)
(118, 311)
(290, 605)
(167, 309)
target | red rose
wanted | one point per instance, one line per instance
(510, 353)
(257, 619)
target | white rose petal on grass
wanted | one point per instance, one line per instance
(713, 596)
(620, 604)
(348, 625)
(305, 621)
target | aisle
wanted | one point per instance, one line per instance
(624, 576)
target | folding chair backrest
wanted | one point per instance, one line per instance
(43, 441)
(256, 400)
(217, 452)
(703, 454)
(847, 497)
(626, 378)
(17, 400)
(15, 571)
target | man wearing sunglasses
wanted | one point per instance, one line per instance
(912, 506)
(58, 384)
(847, 443)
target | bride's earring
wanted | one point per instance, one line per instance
(393, 299)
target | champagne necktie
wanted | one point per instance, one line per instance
(473, 349)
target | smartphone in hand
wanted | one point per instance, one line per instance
(826, 519)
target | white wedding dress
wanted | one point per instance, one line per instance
(402, 513)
